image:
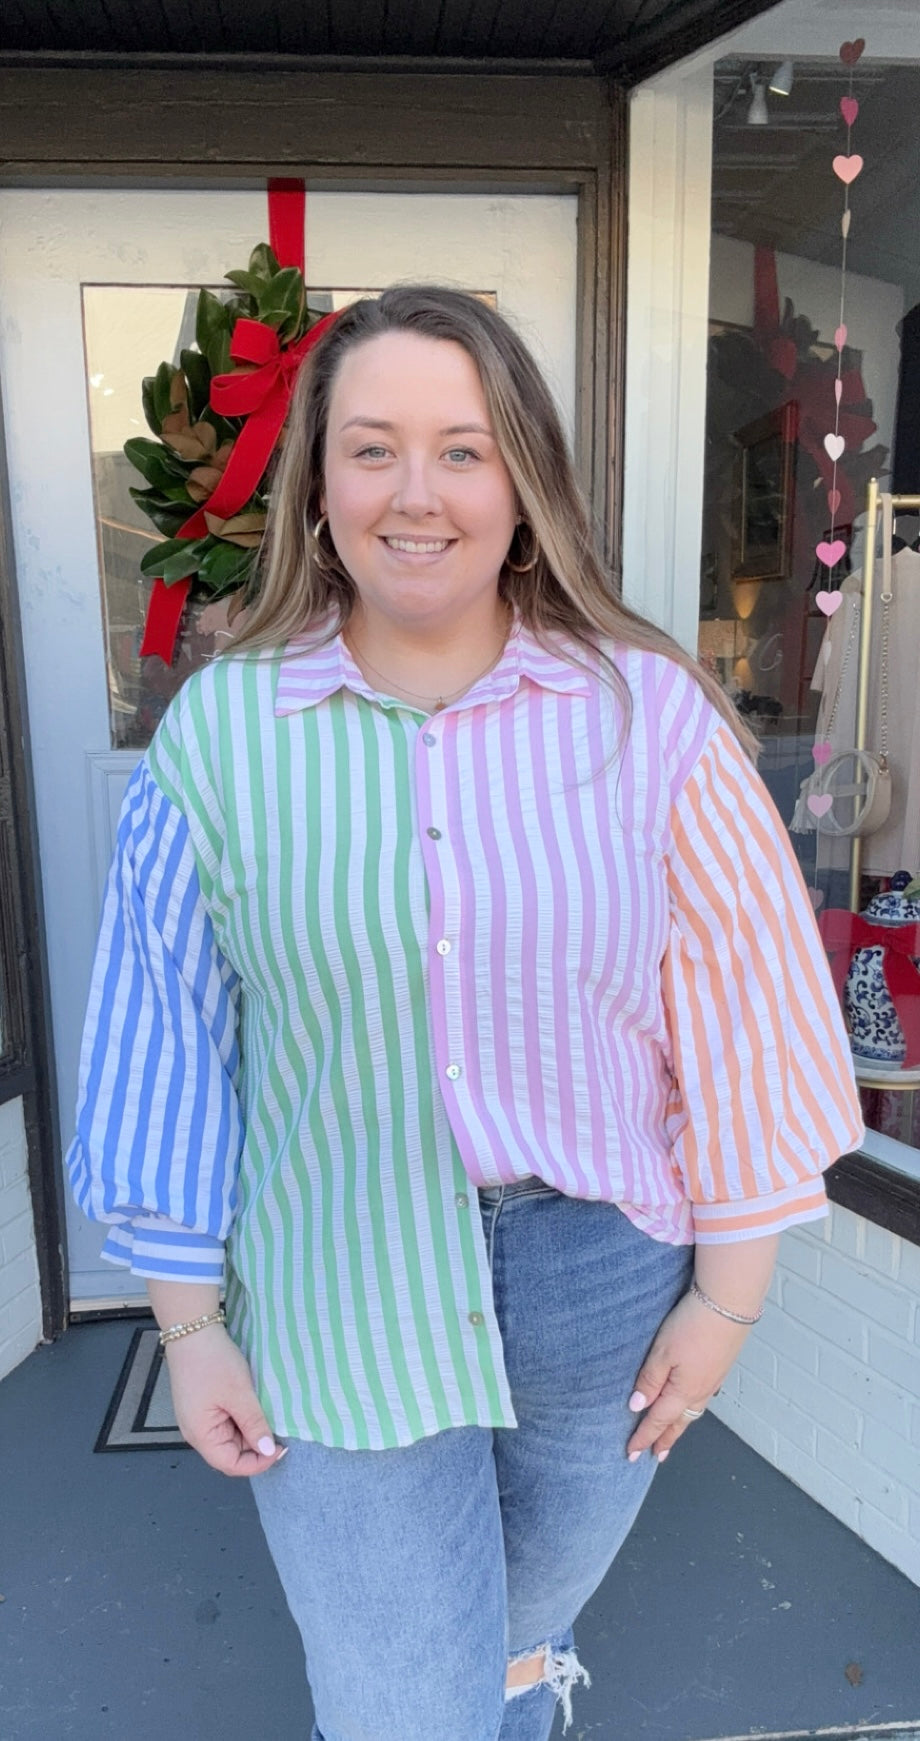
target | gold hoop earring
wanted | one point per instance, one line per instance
(525, 567)
(320, 558)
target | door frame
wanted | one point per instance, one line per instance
(167, 123)
(27, 1070)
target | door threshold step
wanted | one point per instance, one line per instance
(909, 1731)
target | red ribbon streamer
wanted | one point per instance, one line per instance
(287, 209)
(261, 394)
(844, 932)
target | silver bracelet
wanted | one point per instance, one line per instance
(174, 1331)
(723, 1311)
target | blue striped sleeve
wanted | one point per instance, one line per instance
(159, 1128)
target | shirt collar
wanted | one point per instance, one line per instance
(311, 672)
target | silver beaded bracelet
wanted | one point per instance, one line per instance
(723, 1311)
(174, 1331)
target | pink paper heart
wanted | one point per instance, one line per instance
(830, 554)
(820, 806)
(838, 391)
(822, 751)
(834, 445)
(840, 337)
(816, 897)
(849, 109)
(828, 602)
(833, 500)
(847, 168)
(851, 51)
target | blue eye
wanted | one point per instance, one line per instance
(461, 453)
(373, 452)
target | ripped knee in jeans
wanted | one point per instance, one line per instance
(561, 1669)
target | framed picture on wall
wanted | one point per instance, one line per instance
(763, 518)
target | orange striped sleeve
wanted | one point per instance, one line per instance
(761, 1059)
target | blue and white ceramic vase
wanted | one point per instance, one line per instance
(876, 1035)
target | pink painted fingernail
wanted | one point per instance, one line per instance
(266, 1446)
(637, 1401)
(282, 1453)
(662, 1455)
(634, 1456)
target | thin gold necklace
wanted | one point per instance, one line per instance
(440, 701)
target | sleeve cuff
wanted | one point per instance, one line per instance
(155, 1247)
(726, 1223)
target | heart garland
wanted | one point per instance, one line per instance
(847, 166)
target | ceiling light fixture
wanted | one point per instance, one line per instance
(781, 82)
(758, 114)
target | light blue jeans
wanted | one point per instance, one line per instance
(416, 1574)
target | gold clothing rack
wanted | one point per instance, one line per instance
(876, 500)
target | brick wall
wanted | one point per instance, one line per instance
(828, 1386)
(20, 1299)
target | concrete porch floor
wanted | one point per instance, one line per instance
(139, 1601)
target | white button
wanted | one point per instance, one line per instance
(461, 1200)
(443, 948)
(476, 1318)
(428, 738)
(453, 1071)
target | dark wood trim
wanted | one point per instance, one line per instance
(878, 1193)
(222, 119)
(679, 30)
(34, 1076)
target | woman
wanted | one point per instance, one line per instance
(457, 975)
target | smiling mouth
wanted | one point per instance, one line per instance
(419, 546)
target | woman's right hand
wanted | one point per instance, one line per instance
(217, 1410)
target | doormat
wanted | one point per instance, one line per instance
(140, 1416)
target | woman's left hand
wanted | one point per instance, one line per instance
(690, 1356)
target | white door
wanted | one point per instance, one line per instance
(54, 246)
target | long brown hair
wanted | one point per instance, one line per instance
(568, 592)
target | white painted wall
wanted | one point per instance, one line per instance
(828, 1386)
(20, 1297)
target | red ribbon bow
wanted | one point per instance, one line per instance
(261, 394)
(844, 932)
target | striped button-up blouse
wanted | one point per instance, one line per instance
(355, 960)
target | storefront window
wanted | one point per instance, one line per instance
(781, 624)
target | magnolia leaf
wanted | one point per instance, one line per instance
(197, 443)
(198, 376)
(248, 281)
(912, 890)
(154, 462)
(167, 516)
(184, 562)
(152, 560)
(212, 331)
(281, 303)
(148, 402)
(162, 392)
(223, 566)
(262, 262)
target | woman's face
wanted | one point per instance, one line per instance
(420, 502)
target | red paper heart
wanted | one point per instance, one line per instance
(849, 109)
(822, 751)
(847, 168)
(830, 554)
(851, 51)
(833, 500)
(820, 806)
(816, 897)
(828, 602)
